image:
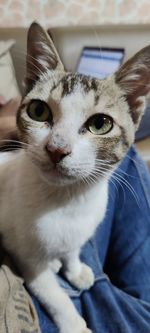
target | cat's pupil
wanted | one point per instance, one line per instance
(39, 110)
(99, 122)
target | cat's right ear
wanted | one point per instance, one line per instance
(134, 80)
(41, 55)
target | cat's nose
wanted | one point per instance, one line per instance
(57, 154)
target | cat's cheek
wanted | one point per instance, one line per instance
(81, 162)
(40, 134)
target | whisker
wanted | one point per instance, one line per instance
(9, 149)
(33, 64)
(132, 159)
(16, 141)
(103, 173)
(128, 185)
(119, 179)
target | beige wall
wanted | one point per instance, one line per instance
(70, 41)
(73, 12)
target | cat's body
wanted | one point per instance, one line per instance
(75, 130)
(46, 224)
(54, 221)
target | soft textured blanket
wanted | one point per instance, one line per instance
(17, 313)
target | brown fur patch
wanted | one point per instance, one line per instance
(71, 81)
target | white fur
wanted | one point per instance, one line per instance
(55, 214)
(58, 304)
(47, 211)
(47, 223)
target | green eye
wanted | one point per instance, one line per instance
(99, 124)
(39, 111)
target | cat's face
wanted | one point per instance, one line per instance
(77, 128)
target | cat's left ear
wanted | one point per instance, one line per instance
(41, 55)
(134, 79)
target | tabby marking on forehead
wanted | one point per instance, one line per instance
(71, 81)
(124, 137)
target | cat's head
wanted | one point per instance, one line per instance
(76, 127)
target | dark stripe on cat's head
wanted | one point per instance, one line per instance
(71, 81)
(124, 137)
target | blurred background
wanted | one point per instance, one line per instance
(73, 12)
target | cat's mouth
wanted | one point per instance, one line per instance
(60, 172)
(57, 174)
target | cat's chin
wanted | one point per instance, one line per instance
(55, 177)
(58, 175)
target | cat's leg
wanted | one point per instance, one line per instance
(78, 274)
(55, 265)
(57, 303)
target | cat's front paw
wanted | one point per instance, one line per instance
(86, 331)
(84, 280)
(79, 326)
(55, 265)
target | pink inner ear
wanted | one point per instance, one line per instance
(136, 88)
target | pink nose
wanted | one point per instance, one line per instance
(57, 154)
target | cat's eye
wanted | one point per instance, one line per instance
(38, 110)
(99, 124)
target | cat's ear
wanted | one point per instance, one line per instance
(41, 55)
(134, 79)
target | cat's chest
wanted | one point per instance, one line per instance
(70, 226)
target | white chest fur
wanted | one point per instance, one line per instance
(70, 226)
(54, 223)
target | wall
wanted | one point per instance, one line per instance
(73, 12)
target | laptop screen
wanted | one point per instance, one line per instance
(100, 62)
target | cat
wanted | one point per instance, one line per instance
(75, 131)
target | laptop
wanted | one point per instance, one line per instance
(100, 62)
